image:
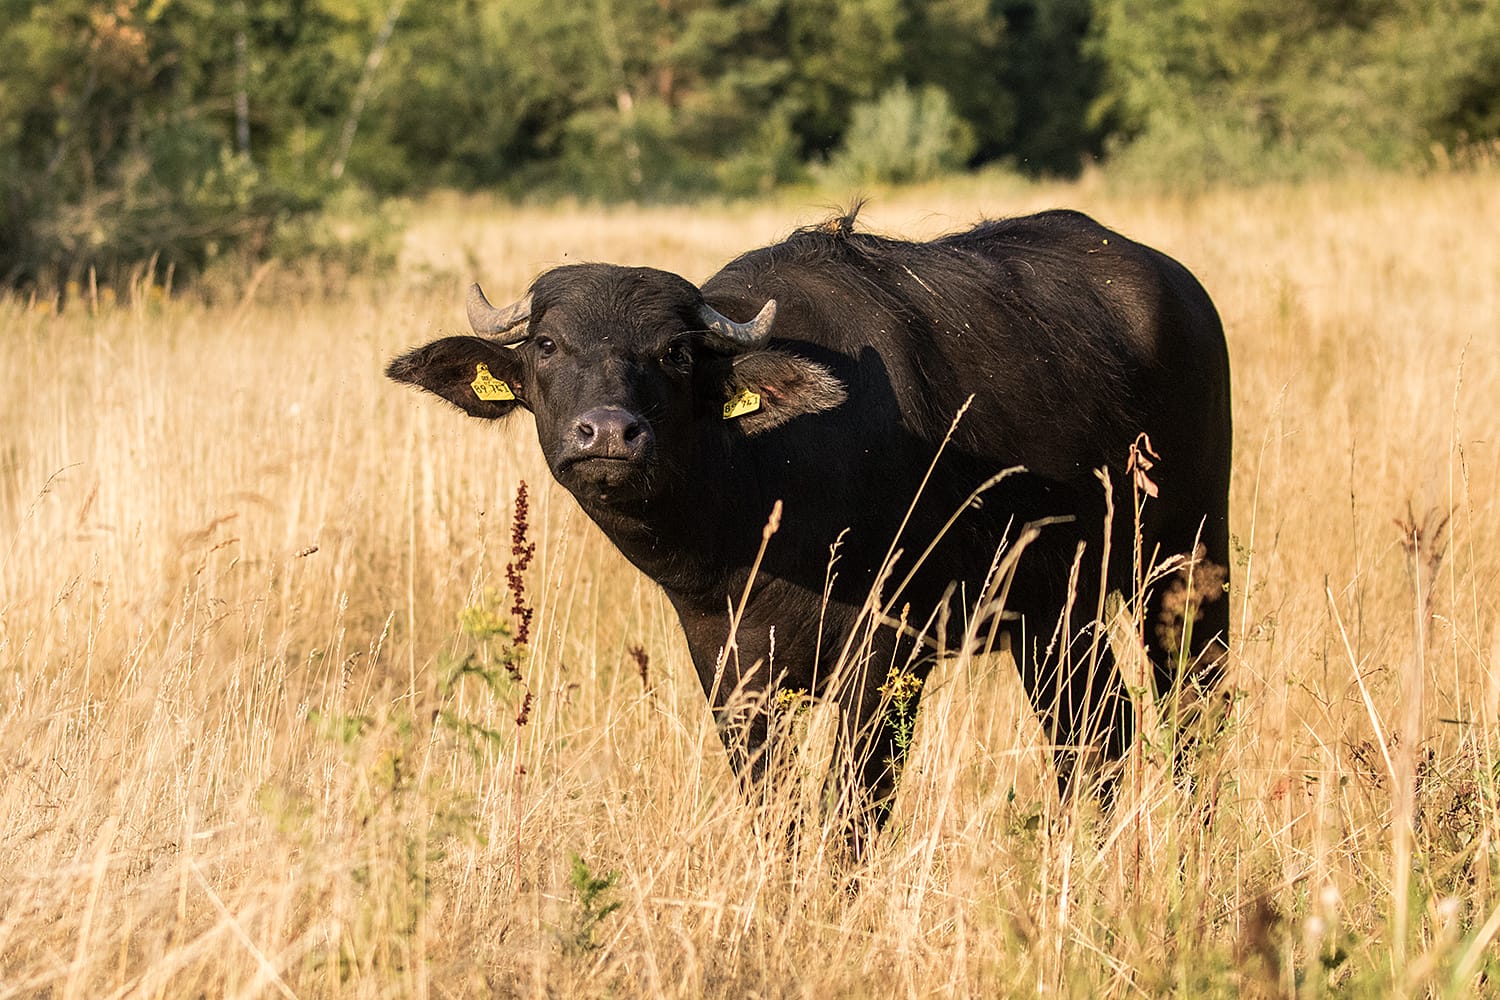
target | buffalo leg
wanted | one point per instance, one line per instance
(1078, 695)
(877, 703)
(744, 730)
(1186, 625)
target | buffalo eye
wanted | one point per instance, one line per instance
(546, 347)
(677, 356)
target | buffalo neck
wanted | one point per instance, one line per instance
(699, 535)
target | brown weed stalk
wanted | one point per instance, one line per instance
(522, 550)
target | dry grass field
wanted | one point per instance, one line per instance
(257, 737)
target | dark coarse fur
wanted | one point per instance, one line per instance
(1061, 341)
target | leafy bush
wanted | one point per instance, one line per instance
(903, 136)
(220, 202)
(1203, 91)
(352, 232)
(769, 159)
(631, 153)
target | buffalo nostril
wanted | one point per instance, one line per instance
(610, 432)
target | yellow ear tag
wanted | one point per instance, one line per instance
(745, 402)
(487, 386)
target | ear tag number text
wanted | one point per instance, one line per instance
(487, 386)
(745, 402)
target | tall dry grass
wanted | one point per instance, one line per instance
(239, 756)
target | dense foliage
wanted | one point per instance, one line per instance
(189, 128)
(1246, 89)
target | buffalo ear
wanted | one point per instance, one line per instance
(765, 389)
(474, 374)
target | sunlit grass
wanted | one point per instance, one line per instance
(234, 560)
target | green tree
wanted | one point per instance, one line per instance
(1053, 80)
(1242, 89)
(176, 130)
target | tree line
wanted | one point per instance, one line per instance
(183, 130)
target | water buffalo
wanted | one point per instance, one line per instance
(824, 374)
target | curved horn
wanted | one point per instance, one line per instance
(728, 335)
(487, 320)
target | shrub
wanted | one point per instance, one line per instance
(633, 153)
(906, 135)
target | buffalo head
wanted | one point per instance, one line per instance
(628, 372)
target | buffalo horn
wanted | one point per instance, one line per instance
(728, 335)
(487, 320)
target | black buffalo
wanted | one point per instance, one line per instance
(833, 391)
